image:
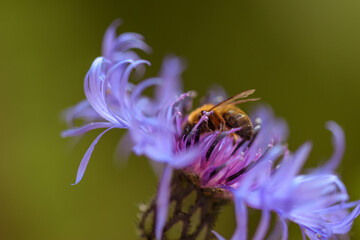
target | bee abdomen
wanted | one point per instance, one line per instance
(236, 120)
(246, 133)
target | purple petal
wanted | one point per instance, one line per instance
(338, 141)
(302, 232)
(276, 231)
(124, 102)
(96, 84)
(134, 99)
(343, 226)
(162, 201)
(85, 128)
(109, 37)
(86, 158)
(171, 74)
(340, 207)
(218, 236)
(241, 221)
(93, 91)
(133, 43)
(263, 226)
(291, 167)
(284, 229)
(255, 169)
(185, 158)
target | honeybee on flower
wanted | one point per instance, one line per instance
(218, 159)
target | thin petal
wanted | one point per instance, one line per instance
(343, 226)
(263, 226)
(302, 232)
(86, 158)
(276, 231)
(292, 166)
(162, 201)
(338, 141)
(93, 91)
(109, 37)
(85, 128)
(218, 236)
(241, 221)
(171, 74)
(124, 46)
(285, 231)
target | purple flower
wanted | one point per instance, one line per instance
(260, 173)
(316, 201)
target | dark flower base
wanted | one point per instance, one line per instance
(192, 211)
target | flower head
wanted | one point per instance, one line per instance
(260, 173)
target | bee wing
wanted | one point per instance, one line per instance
(236, 97)
(246, 100)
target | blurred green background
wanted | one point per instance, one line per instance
(302, 57)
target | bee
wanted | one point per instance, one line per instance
(222, 117)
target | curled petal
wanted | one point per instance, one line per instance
(86, 158)
(85, 128)
(117, 48)
(93, 88)
(344, 226)
(109, 38)
(123, 83)
(338, 141)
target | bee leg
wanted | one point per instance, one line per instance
(215, 122)
(222, 126)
